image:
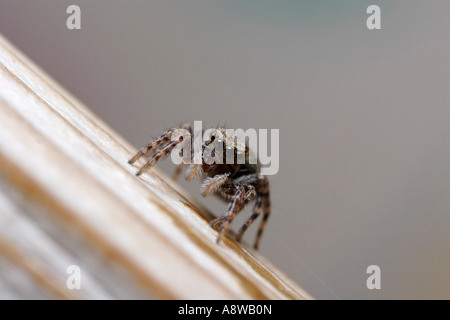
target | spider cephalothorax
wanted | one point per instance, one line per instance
(238, 181)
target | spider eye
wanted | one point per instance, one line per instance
(213, 137)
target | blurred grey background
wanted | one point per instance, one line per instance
(363, 116)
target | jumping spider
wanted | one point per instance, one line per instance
(239, 184)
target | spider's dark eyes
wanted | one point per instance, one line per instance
(213, 137)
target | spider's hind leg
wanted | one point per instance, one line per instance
(264, 191)
(256, 212)
(241, 198)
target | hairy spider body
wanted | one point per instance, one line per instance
(238, 182)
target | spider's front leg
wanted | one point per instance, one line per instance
(160, 147)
